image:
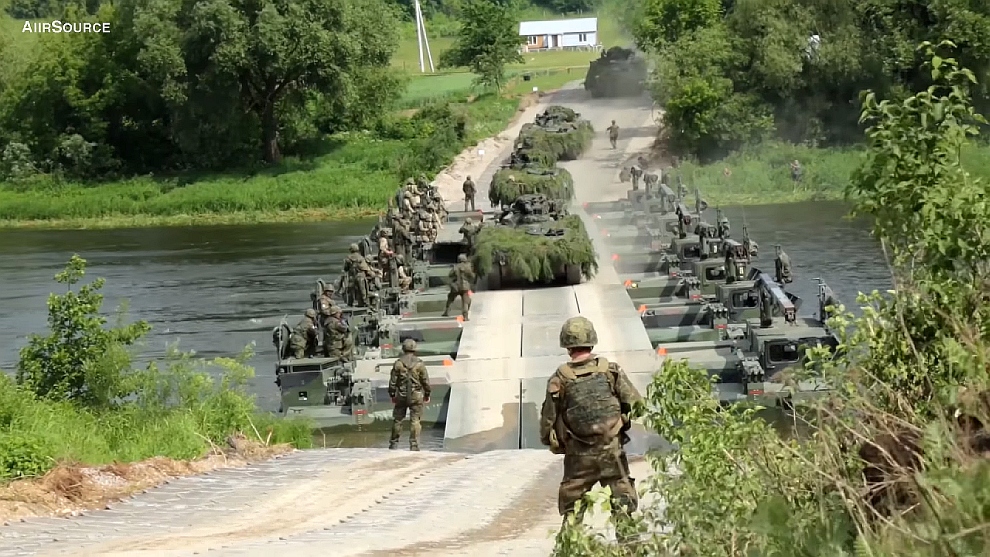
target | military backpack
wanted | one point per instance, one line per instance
(405, 385)
(589, 406)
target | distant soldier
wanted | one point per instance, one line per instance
(586, 414)
(613, 133)
(357, 270)
(796, 171)
(469, 192)
(336, 336)
(405, 281)
(636, 173)
(386, 256)
(403, 237)
(422, 184)
(782, 263)
(642, 162)
(461, 280)
(304, 337)
(470, 232)
(625, 174)
(409, 388)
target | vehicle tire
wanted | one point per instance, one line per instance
(573, 273)
(495, 278)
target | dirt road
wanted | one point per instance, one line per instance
(357, 502)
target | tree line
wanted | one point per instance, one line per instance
(733, 72)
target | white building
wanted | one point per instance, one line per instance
(559, 34)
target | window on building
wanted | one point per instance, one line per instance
(583, 37)
(531, 40)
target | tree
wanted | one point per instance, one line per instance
(80, 360)
(664, 21)
(488, 40)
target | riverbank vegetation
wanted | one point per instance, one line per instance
(77, 397)
(732, 76)
(896, 459)
(143, 125)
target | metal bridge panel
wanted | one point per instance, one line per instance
(557, 301)
(483, 416)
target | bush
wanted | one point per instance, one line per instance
(536, 258)
(553, 182)
(74, 403)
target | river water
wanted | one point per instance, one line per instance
(217, 289)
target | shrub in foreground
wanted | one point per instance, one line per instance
(77, 397)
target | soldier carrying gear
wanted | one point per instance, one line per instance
(326, 298)
(461, 279)
(470, 231)
(469, 192)
(304, 337)
(613, 133)
(586, 415)
(409, 388)
(357, 270)
(336, 336)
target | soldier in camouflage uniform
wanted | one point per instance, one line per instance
(461, 280)
(304, 338)
(613, 133)
(404, 280)
(336, 336)
(402, 238)
(470, 231)
(585, 417)
(357, 270)
(409, 387)
(469, 192)
(325, 301)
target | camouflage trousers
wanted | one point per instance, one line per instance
(635, 182)
(297, 347)
(465, 302)
(415, 426)
(610, 467)
(612, 140)
(469, 199)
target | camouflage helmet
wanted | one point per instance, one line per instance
(462, 258)
(468, 221)
(410, 181)
(578, 332)
(409, 345)
(354, 248)
(311, 313)
(327, 288)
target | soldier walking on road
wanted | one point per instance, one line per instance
(304, 338)
(613, 133)
(585, 417)
(470, 231)
(461, 279)
(469, 192)
(409, 387)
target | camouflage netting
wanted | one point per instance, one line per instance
(619, 72)
(552, 182)
(537, 258)
(564, 142)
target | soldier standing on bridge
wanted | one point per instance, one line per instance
(461, 279)
(613, 133)
(469, 192)
(336, 335)
(409, 387)
(470, 232)
(635, 173)
(585, 417)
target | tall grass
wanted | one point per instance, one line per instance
(762, 174)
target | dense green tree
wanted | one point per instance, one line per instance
(488, 40)
(664, 21)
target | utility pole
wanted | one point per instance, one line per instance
(421, 39)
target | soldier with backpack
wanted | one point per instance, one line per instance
(409, 387)
(585, 417)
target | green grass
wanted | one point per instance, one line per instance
(761, 175)
(354, 178)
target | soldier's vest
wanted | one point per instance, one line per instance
(407, 384)
(588, 404)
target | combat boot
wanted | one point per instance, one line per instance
(413, 447)
(393, 445)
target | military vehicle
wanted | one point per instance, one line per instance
(535, 241)
(330, 392)
(618, 72)
(515, 179)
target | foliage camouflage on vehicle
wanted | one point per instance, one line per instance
(619, 72)
(553, 182)
(563, 142)
(537, 258)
